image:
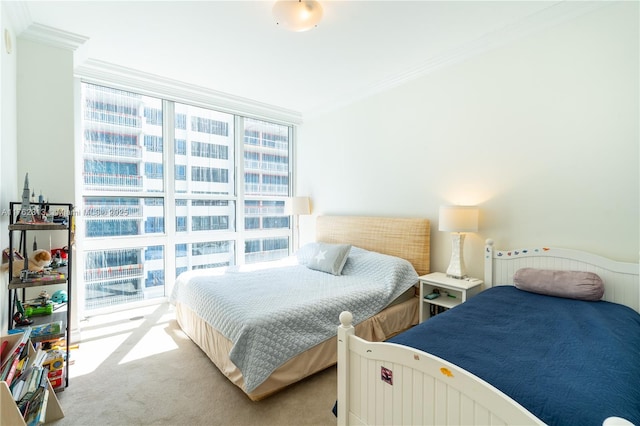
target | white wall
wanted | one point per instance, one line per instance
(46, 141)
(46, 120)
(47, 92)
(37, 122)
(542, 134)
(8, 145)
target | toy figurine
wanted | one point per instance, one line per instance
(36, 262)
(19, 317)
(26, 214)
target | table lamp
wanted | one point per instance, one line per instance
(298, 206)
(457, 220)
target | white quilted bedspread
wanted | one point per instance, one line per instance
(276, 310)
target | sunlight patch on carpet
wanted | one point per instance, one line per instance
(153, 342)
(92, 354)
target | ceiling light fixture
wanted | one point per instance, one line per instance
(297, 15)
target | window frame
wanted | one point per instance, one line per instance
(171, 92)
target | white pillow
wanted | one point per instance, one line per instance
(329, 258)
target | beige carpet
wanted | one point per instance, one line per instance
(137, 367)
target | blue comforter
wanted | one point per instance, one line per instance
(569, 362)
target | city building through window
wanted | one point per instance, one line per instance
(169, 187)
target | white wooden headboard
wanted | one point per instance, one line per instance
(620, 278)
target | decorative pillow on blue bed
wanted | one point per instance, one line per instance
(569, 284)
(329, 258)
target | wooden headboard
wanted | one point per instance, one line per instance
(407, 238)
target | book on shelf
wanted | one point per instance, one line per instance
(26, 333)
(37, 407)
(10, 361)
(31, 382)
(16, 390)
(51, 276)
(14, 368)
(19, 387)
(49, 329)
(34, 391)
(435, 310)
(29, 399)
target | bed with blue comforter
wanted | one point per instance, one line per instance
(567, 361)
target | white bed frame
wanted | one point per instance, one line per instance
(620, 278)
(391, 384)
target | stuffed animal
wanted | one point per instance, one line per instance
(38, 260)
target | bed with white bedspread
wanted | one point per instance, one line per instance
(524, 351)
(255, 321)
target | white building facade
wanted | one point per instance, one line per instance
(169, 187)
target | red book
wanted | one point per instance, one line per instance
(12, 370)
(4, 345)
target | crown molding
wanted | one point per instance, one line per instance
(53, 37)
(100, 72)
(18, 15)
(134, 80)
(20, 19)
(553, 15)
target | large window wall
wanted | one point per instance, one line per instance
(170, 187)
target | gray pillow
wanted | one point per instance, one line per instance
(305, 252)
(569, 284)
(329, 258)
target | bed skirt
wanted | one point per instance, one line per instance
(382, 326)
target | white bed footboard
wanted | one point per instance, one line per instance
(390, 384)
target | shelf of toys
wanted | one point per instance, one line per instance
(49, 316)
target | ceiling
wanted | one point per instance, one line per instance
(358, 49)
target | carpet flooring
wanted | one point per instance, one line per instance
(137, 367)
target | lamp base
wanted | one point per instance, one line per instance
(456, 267)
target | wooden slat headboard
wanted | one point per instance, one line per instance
(407, 238)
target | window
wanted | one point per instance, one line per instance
(208, 150)
(209, 254)
(113, 277)
(209, 174)
(153, 170)
(127, 179)
(209, 223)
(181, 121)
(181, 172)
(207, 125)
(153, 116)
(153, 143)
(153, 225)
(181, 146)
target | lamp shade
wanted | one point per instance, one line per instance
(297, 15)
(299, 205)
(458, 219)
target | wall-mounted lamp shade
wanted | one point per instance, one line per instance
(299, 206)
(297, 15)
(458, 219)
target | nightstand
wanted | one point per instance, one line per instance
(452, 292)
